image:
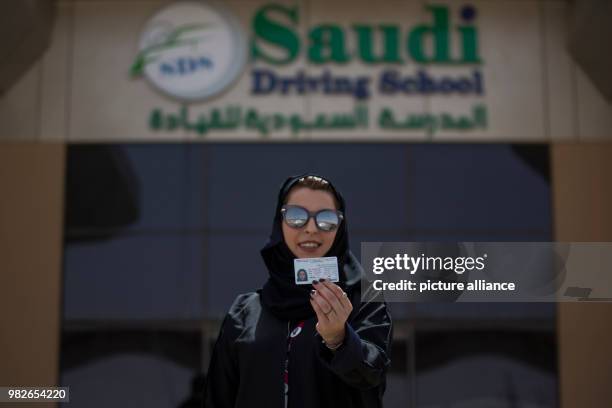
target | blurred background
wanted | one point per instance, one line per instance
(123, 243)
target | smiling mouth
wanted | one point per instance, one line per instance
(309, 244)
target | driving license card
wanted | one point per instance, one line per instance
(309, 269)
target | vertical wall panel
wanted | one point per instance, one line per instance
(582, 201)
(31, 213)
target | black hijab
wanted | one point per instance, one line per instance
(280, 294)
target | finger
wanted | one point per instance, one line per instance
(343, 296)
(320, 314)
(340, 295)
(335, 298)
(347, 302)
(329, 296)
(325, 306)
(341, 309)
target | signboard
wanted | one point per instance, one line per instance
(194, 51)
(318, 70)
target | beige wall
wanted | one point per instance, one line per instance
(31, 225)
(582, 193)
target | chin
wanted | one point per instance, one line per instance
(303, 254)
(311, 255)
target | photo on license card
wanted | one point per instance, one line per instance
(308, 269)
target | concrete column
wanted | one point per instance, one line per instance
(582, 197)
(31, 245)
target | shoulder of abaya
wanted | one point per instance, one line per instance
(242, 302)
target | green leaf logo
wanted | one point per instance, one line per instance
(175, 39)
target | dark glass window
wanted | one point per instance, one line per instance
(160, 238)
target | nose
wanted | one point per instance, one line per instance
(311, 226)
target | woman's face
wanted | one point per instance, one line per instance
(309, 241)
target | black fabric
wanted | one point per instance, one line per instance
(280, 294)
(247, 363)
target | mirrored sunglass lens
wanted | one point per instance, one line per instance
(295, 217)
(327, 220)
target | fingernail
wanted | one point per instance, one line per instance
(314, 282)
(312, 292)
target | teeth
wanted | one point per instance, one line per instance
(310, 244)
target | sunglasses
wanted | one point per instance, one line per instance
(296, 217)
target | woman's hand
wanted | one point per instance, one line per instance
(332, 306)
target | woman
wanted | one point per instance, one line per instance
(293, 345)
(302, 275)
